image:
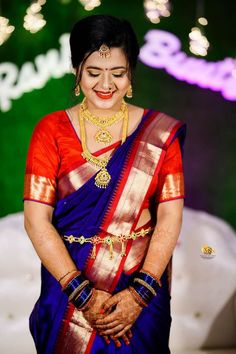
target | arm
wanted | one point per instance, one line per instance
(46, 240)
(165, 236)
(53, 253)
(42, 165)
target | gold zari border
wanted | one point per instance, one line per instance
(103, 271)
(40, 188)
(173, 186)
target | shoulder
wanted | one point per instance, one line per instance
(52, 119)
(162, 128)
(50, 123)
(161, 117)
(164, 121)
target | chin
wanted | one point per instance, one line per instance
(101, 103)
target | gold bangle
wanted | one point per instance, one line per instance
(71, 271)
(142, 282)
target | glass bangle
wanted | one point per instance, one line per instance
(143, 292)
(147, 278)
(83, 297)
(73, 284)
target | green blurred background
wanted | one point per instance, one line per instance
(210, 151)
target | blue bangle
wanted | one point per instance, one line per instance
(83, 297)
(143, 292)
(149, 280)
(73, 284)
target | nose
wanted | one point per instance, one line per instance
(106, 81)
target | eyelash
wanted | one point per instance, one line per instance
(115, 75)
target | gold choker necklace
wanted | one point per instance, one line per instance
(103, 135)
(103, 177)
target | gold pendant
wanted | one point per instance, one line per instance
(103, 136)
(103, 178)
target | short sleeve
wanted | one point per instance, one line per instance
(42, 165)
(171, 178)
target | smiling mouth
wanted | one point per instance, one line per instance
(104, 95)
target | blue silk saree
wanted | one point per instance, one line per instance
(56, 326)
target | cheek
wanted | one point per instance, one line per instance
(87, 84)
(123, 85)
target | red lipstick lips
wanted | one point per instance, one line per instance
(104, 95)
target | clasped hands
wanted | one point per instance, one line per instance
(113, 315)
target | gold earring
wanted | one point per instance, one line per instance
(129, 93)
(77, 90)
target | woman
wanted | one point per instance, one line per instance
(103, 206)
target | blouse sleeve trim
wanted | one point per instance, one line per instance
(173, 187)
(39, 188)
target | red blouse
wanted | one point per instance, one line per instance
(55, 150)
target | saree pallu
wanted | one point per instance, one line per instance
(57, 327)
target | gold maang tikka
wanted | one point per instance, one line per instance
(104, 51)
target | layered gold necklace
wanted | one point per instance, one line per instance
(103, 177)
(103, 135)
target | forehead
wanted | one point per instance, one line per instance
(117, 58)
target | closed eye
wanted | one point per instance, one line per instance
(93, 74)
(118, 75)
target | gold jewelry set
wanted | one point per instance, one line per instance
(103, 177)
(108, 240)
(102, 135)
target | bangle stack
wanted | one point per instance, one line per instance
(144, 287)
(79, 291)
(65, 275)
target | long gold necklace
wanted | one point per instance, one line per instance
(103, 177)
(103, 135)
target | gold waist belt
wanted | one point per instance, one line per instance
(108, 240)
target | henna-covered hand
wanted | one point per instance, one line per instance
(125, 311)
(93, 311)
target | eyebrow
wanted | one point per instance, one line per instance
(114, 68)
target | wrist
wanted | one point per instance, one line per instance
(148, 272)
(137, 298)
(65, 279)
(144, 287)
(79, 291)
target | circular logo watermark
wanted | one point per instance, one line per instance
(207, 252)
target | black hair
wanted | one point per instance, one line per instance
(91, 32)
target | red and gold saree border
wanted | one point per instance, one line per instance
(72, 180)
(126, 206)
(75, 333)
